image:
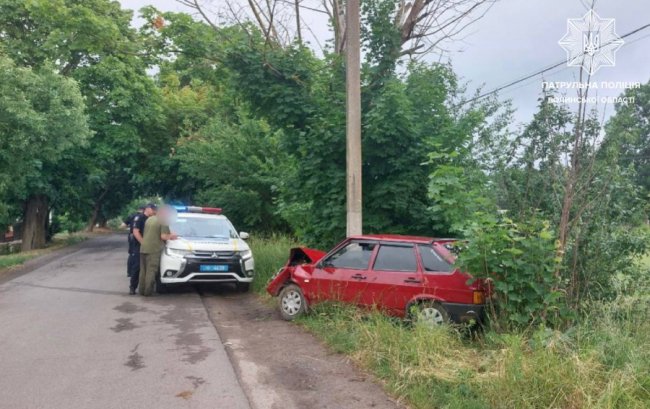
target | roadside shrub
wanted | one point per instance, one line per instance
(66, 222)
(520, 260)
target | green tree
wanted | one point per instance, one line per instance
(238, 167)
(92, 42)
(42, 119)
(629, 131)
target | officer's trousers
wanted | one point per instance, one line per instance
(133, 268)
(149, 266)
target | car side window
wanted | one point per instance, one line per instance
(432, 261)
(355, 255)
(395, 258)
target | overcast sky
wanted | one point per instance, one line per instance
(520, 37)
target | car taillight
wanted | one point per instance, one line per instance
(479, 297)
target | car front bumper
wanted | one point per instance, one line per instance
(179, 270)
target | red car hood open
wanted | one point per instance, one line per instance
(298, 256)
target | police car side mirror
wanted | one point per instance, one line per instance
(243, 235)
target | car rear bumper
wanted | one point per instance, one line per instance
(465, 313)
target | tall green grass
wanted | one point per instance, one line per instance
(603, 363)
(270, 253)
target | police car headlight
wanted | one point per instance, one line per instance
(246, 254)
(177, 253)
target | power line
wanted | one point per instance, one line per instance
(535, 74)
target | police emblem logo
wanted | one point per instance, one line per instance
(591, 42)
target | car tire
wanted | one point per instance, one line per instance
(428, 313)
(243, 287)
(292, 302)
(160, 287)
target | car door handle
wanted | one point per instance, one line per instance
(412, 280)
(359, 277)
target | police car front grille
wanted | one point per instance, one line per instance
(214, 254)
(235, 266)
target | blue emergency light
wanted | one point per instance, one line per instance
(197, 209)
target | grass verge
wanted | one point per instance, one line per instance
(602, 363)
(13, 260)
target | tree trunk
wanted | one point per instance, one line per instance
(34, 222)
(94, 217)
(97, 210)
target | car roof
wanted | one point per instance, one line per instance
(401, 238)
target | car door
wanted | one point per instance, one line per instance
(441, 280)
(397, 278)
(343, 275)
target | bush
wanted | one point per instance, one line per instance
(521, 260)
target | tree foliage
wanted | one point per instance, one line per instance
(42, 120)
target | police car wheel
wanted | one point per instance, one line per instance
(160, 287)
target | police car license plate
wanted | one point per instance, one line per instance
(213, 267)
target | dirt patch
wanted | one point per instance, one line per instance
(283, 366)
(185, 394)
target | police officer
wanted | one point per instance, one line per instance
(137, 229)
(129, 223)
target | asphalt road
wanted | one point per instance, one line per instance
(71, 337)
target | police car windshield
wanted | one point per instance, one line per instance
(203, 227)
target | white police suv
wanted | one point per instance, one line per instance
(208, 250)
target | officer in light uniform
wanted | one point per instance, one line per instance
(137, 227)
(156, 232)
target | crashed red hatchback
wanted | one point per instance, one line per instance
(405, 276)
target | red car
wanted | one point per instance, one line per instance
(405, 276)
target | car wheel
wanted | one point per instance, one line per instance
(292, 302)
(160, 287)
(243, 287)
(428, 313)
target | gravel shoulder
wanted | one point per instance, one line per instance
(280, 365)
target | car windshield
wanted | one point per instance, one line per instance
(203, 227)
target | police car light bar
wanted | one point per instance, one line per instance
(198, 209)
(211, 210)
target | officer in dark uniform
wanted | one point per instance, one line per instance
(129, 219)
(136, 230)
(129, 222)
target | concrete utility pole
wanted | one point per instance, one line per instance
(353, 86)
